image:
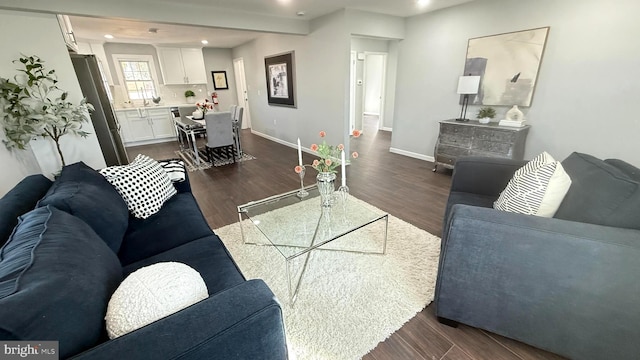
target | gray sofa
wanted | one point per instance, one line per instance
(566, 284)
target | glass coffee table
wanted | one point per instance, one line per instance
(298, 227)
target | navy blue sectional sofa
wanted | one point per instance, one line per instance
(74, 243)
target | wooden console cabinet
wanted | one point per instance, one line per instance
(458, 138)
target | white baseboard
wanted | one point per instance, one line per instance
(280, 141)
(384, 128)
(149, 142)
(411, 154)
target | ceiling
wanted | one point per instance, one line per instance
(133, 31)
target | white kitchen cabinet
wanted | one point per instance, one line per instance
(161, 122)
(67, 32)
(182, 66)
(145, 124)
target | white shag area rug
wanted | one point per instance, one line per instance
(348, 302)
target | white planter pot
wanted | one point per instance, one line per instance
(191, 100)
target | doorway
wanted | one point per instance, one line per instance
(241, 89)
(374, 83)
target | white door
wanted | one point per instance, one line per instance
(241, 89)
(375, 69)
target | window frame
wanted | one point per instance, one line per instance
(117, 58)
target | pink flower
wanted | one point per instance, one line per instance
(198, 104)
(340, 147)
(356, 133)
(355, 155)
(328, 162)
(298, 169)
(314, 147)
(315, 163)
(323, 134)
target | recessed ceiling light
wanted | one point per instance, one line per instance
(423, 3)
(108, 36)
(204, 42)
(300, 13)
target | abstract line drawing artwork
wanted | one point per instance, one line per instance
(508, 65)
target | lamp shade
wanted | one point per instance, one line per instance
(468, 84)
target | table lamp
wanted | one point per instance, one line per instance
(467, 85)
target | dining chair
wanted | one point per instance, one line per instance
(232, 110)
(220, 140)
(237, 126)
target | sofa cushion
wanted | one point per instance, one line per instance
(152, 293)
(20, 200)
(208, 256)
(175, 169)
(179, 221)
(143, 184)
(56, 277)
(82, 192)
(537, 188)
(600, 194)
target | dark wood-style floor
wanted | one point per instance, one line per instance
(402, 186)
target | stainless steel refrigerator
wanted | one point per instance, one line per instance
(104, 119)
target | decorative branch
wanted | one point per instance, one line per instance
(27, 110)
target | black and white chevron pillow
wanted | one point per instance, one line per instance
(143, 184)
(174, 168)
(537, 188)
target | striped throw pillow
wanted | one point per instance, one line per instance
(537, 188)
(174, 168)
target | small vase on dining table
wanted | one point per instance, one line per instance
(326, 186)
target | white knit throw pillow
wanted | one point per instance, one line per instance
(151, 293)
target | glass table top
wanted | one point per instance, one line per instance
(296, 225)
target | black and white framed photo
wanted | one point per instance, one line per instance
(279, 70)
(220, 80)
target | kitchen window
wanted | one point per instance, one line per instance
(136, 73)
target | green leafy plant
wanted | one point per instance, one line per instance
(33, 106)
(486, 112)
(189, 93)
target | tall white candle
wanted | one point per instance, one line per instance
(344, 173)
(299, 153)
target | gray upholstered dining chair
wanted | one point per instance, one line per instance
(237, 126)
(232, 110)
(220, 141)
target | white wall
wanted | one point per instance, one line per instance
(321, 83)
(364, 23)
(220, 60)
(42, 37)
(585, 98)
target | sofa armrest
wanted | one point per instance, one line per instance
(243, 322)
(563, 286)
(483, 175)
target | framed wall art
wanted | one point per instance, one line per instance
(220, 80)
(508, 65)
(279, 71)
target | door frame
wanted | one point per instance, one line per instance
(242, 92)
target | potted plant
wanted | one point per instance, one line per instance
(191, 96)
(485, 114)
(33, 106)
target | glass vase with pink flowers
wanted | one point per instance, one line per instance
(331, 156)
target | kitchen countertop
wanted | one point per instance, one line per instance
(160, 106)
